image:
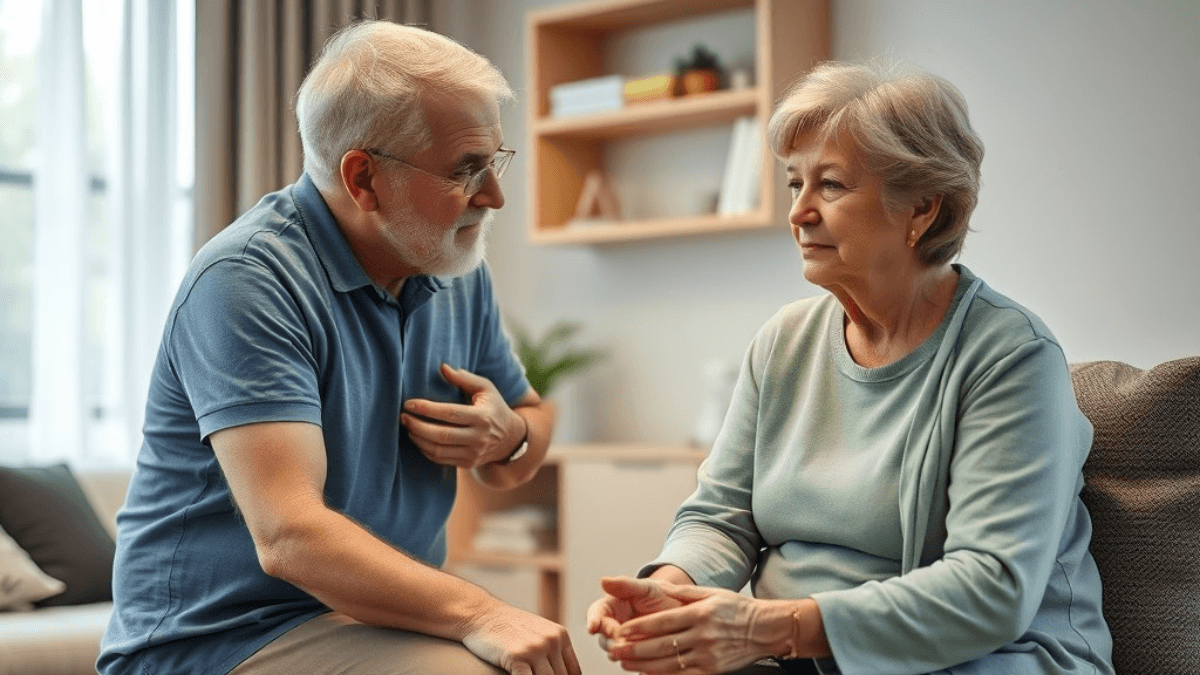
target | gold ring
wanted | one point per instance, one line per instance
(678, 656)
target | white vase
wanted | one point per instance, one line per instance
(717, 391)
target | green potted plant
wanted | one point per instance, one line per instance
(551, 357)
(699, 72)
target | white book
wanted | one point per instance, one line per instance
(589, 108)
(586, 100)
(526, 518)
(593, 95)
(752, 169)
(727, 197)
(503, 542)
(589, 88)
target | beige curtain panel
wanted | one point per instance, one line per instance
(251, 56)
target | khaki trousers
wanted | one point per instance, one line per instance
(335, 643)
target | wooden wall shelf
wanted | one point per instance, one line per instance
(653, 228)
(569, 43)
(669, 115)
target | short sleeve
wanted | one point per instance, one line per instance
(239, 345)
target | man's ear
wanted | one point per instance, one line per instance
(358, 177)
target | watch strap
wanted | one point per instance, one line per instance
(521, 448)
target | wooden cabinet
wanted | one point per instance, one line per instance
(569, 43)
(616, 520)
(612, 505)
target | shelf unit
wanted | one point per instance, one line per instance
(569, 484)
(568, 43)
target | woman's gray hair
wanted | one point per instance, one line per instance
(911, 129)
(365, 91)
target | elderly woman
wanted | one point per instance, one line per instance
(898, 475)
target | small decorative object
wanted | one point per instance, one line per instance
(739, 79)
(550, 358)
(597, 201)
(650, 88)
(699, 73)
(719, 380)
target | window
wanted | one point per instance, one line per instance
(102, 411)
(18, 108)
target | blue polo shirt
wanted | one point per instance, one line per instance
(277, 321)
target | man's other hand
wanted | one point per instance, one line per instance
(521, 643)
(466, 436)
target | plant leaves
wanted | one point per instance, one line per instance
(550, 358)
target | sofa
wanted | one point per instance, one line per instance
(72, 539)
(1142, 487)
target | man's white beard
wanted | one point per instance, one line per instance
(443, 257)
(470, 259)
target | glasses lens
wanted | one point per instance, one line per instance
(475, 184)
(501, 160)
(498, 166)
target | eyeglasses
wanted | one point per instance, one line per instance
(471, 183)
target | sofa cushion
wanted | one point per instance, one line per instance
(21, 581)
(53, 640)
(47, 514)
(1143, 492)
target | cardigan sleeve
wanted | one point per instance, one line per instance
(1014, 477)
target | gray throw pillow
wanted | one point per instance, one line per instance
(46, 512)
(1143, 492)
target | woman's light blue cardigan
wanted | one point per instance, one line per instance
(993, 575)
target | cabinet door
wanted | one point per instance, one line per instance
(615, 517)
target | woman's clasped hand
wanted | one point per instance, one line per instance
(654, 626)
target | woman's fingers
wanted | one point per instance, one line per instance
(668, 654)
(661, 623)
(688, 594)
(627, 588)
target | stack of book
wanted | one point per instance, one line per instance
(743, 168)
(514, 584)
(523, 530)
(587, 97)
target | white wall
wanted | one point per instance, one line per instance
(1088, 213)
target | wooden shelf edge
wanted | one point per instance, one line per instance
(616, 15)
(641, 230)
(643, 118)
(549, 561)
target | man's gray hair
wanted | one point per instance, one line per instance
(365, 91)
(911, 129)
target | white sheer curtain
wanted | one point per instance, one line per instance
(144, 192)
(112, 310)
(57, 413)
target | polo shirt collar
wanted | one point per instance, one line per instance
(345, 272)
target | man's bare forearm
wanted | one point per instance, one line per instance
(347, 568)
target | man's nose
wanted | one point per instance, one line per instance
(490, 195)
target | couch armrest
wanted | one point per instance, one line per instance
(105, 489)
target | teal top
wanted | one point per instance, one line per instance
(930, 506)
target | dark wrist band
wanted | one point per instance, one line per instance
(522, 448)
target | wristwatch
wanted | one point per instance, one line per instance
(522, 448)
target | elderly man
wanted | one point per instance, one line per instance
(330, 360)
